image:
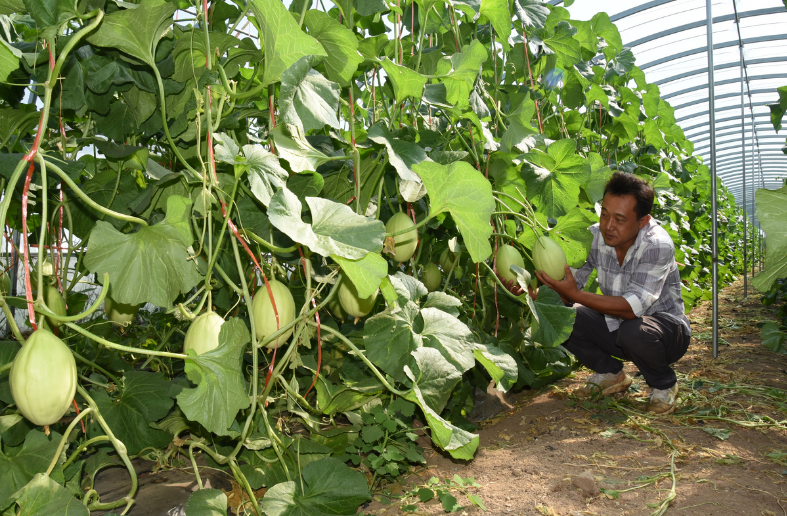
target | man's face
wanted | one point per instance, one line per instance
(619, 221)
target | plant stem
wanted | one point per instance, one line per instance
(63, 439)
(90, 202)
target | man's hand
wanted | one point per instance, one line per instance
(566, 288)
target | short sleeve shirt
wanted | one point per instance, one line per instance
(649, 278)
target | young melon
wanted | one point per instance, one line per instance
(506, 257)
(335, 307)
(203, 334)
(5, 283)
(265, 318)
(549, 257)
(43, 378)
(120, 314)
(56, 303)
(404, 244)
(431, 277)
(448, 260)
(353, 304)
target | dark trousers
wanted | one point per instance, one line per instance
(652, 342)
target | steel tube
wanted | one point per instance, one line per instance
(743, 162)
(714, 193)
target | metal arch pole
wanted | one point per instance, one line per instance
(743, 162)
(714, 194)
(753, 178)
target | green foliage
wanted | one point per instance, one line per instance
(192, 159)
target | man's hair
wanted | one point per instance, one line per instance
(622, 183)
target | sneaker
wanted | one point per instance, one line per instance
(662, 401)
(603, 384)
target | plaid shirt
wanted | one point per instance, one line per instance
(649, 278)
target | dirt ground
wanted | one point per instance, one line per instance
(723, 452)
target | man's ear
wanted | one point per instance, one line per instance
(644, 221)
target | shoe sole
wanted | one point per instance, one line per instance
(618, 387)
(665, 413)
(621, 386)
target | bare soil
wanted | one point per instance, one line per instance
(530, 455)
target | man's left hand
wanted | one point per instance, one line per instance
(566, 288)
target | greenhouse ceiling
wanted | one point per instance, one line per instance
(669, 40)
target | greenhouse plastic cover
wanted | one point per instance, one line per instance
(669, 40)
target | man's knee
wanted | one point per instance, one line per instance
(630, 332)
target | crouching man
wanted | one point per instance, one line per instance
(640, 316)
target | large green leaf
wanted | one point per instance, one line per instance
(42, 495)
(220, 390)
(532, 13)
(604, 28)
(779, 108)
(389, 337)
(435, 376)
(9, 60)
(144, 398)
(291, 144)
(406, 83)
(401, 154)
(283, 40)
(335, 228)
(519, 134)
(266, 175)
(465, 68)
(366, 273)
(500, 365)
(19, 465)
(498, 13)
(326, 487)
(207, 502)
(773, 337)
(152, 265)
(571, 232)
(136, 31)
(308, 98)
(553, 183)
(392, 335)
(462, 191)
(340, 44)
(552, 320)
(562, 43)
(461, 444)
(599, 175)
(772, 212)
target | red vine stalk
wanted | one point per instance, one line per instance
(319, 337)
(28, 286)
(234, 229)
(14, 252)
(532, 84)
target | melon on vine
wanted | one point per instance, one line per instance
(351, 302)
(264, 316)
(506, 257)
(335, 307)
(203, 333)
(549, 257)
(431, 277)
(5, 283)
(43, 378)
(120, 314)
(55, 303)
(404, 244)
(448, 260)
